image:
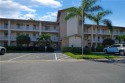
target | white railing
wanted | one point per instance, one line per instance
(2, 37)
(30, 28)
(3, 27)
(50, 30)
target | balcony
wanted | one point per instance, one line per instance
(24, 28)
(99, 32)
(3, 27)
(3, 37)
(50, 30)
(33, 38)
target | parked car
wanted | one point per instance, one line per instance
(116, 48)
(2, 50)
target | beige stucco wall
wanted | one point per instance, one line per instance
(72, 26)
(75, 41)
(62, 25)
(65, 42)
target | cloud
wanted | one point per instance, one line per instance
(50, 3)
(11, 9)
(50, 16)
(28, 15)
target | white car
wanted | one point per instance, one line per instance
(2, 50)
(116, 48)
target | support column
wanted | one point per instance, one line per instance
(40, 28)
(92, 37)
(9, 32)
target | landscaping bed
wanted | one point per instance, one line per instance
(90, 56)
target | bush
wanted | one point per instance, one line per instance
(78, 50)
(108, 42)
(31, 48)
(86, 50)
(50, 49)
(99, 48)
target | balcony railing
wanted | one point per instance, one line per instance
(33, 38)
(2, 37)
(50, 30)
(30, 28)
(3, 27)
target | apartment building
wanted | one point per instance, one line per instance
(63, 33)
(11, 28)
(71, 32)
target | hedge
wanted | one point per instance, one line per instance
(78, 50)
(31, 48)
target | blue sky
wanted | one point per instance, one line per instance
(46, 10)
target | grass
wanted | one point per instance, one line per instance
(90, 56)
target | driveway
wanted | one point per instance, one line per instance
(33, 56)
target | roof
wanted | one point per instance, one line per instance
(29, 20)
(59, 13)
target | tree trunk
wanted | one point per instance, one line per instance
(96, 36)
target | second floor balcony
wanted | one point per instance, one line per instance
(24, 28)
(3, 27)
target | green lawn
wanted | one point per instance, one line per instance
(90, 56)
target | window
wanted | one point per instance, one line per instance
(18, 26)
(34, 35)
(5, 34)
(5, 25)
(27, 27)
(54, 27)
(34, 27)
(47, 27)
(5, 44)
(98, 30)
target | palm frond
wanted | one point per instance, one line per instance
(69, 16)
(95, 8)
(108, 23)
(72, 12)
(92, 17)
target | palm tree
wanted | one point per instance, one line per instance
(44, 39)
(98, 18)
(120, 38)
(87, 7)
(108, 23)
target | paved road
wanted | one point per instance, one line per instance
(55, 68)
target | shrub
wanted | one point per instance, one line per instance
(99, 48)
(76, 50)
(108, 42)
(50, 49)
(31, 48)
(86, 50)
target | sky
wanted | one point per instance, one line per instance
(46, 10)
